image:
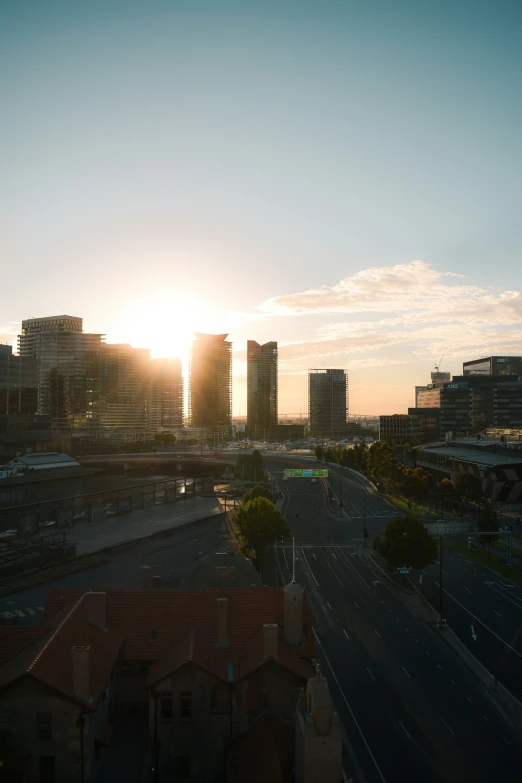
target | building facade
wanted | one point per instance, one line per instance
(165, 396)
(261, 388)
(210, 395)
(18, 383)
(327, 402)
(467, 403)
(68, 369)
(494, 365)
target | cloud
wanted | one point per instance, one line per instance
(410, 306)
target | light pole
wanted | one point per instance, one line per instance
(365, 531)
(340, 493)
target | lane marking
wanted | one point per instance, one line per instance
(426, 652)
(353, 567)
(356, 604)
(497, 612)
(350, 709)
(377, 632)
(329, 604)
(397, 619)
(467, 697)
(308, 564)
(486, 719)
(369, 672)
(346, 635)
(448, 727)
(506, 741)
(286, 561)
(404, 670)
(483, 624)
(330, 567)
(19, 613)
(406, 629)
(469, 591)
(452, 682)
(416, 641)
(440, 667)
(404, 730)
(334, 555)
(313, 553)
(30, 611)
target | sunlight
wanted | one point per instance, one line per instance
(166, 322)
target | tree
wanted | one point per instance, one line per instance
(249, 466)
(406, 542)
(319, 452)
(487, 523)
(259, 523)
(467, 487)
(256, 492)
(447, 487)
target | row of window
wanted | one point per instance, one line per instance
(43, 725)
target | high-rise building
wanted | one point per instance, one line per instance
(165, 396)
(210, 397)
(125, 387)
(417, 390)
(68, 368)
(328, 402)
(261, 388)
(440, 377)
(494, 365)
(467, 403)
(18, 383)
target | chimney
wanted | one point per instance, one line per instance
(81, 671)
(293, 613)
(96, 609)
(318, 738)
(270, 633)
(222, 608)
(145, 576)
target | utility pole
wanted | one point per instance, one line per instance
(365, 532)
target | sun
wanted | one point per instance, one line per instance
(166, 323)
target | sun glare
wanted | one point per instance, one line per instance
(166, 323)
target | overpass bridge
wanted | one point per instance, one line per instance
(159, 458)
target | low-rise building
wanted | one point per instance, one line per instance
(44, 461)
(205, 664)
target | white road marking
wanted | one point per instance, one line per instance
(406, 629)
(30, 611)
(426, 652)
(369, 672)
(329, 604)
(511, 598)
(402, 726)
(444, 572)
(452, 682)
(469, 591)
(486, 719)
(308, 564)
(467, 697)
(350, 709)
(404, 670)
(483, 624)
(41, 608)
(448, 727)
(416, 641)
(356, 604)
(506, 741)
(313, 553)
(497, 612)
(377, 632)
(440, 667)
(331, 569)
(334, 555)
(346, 635)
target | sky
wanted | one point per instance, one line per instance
(342, 177)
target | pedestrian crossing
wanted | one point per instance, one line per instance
(27, 611)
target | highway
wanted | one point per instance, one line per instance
(409, 706)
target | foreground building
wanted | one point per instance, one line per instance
(261, 388)
(210, 397)
(327, 402)
(202, 665)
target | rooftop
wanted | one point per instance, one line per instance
(482, 452)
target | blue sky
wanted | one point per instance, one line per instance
(170, 166)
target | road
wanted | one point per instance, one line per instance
(171, 558)
(410, 708)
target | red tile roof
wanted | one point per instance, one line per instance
(49, 659)
(265, 752)
(14, 639)
(153, 621)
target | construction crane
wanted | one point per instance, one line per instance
(441, 358)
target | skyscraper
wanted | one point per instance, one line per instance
(261, 388)
(165, 398)
(69, 368)
(328, 402)
(210, 397)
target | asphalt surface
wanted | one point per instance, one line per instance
(169, 557)
(410, 708)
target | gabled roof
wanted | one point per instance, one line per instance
(48, 658)
(14, 639)
(155, 621)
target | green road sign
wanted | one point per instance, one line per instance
(306, 472)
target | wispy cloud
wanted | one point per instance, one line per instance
(409, 305)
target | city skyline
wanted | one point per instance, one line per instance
(340, 179)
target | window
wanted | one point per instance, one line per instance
(213, 700)
(43, 723)
(185, 705)
(166, 707)
(46, 769)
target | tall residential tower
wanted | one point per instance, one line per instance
(210, 397)
(261, 388)
(328, 402)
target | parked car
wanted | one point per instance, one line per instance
(49, 523)
(80, 515)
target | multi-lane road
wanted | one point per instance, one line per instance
(410, 708)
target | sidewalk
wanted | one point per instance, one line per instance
(92, 537)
